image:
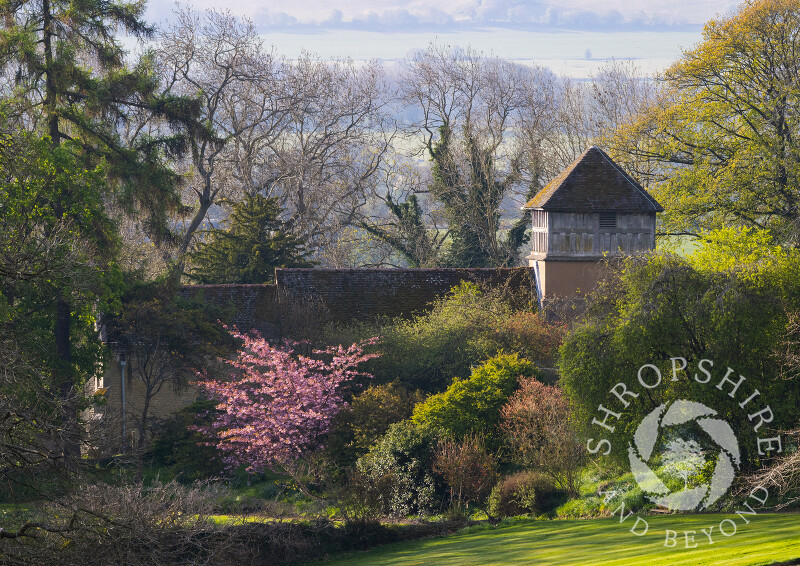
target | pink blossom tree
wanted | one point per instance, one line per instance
(278, 404)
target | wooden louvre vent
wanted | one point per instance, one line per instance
(608, 220)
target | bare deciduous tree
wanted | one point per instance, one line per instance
(310, 132)
(335, 141)
(472, 116)
(619, 93)
(222, 60)
(484, 135)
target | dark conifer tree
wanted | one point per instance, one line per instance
(71, 86)
(255, 242)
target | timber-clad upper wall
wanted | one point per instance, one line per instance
(593, 208)
(579, 234)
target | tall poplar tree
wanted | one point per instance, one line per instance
(72, 86)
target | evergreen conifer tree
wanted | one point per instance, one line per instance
(72, 87)
(255, 242)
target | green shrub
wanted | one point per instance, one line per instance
(430, 350)
(634, 500)
(530, 335)
(182, 451)
(462, 329)
(600, 497)
(473, 405)
(367, 418)
(581, 508)
(399, 469)
(524, 492)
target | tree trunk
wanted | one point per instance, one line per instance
(140, 444)
(65, 384)
(62, 373)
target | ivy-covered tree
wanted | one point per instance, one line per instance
(472, 194)
(483, 122)
(406, 232)
(469, 186)
(255, 242)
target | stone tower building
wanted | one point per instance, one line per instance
(592, 210)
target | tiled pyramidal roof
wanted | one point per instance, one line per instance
(593, 182)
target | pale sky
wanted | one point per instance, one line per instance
(571, 37)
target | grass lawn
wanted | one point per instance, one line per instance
(768, 539)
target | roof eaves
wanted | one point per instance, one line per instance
(653, 202)
(541, 199)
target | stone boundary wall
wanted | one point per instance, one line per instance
(348, 294)
(245, 306)
(365, 294)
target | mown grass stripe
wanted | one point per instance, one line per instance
(768, 539)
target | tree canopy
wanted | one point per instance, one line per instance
(665, 307)
(71, 87)
(720, 147)
(40, 254)
(72, 84)
(255, 242)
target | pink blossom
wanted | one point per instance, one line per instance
(277, 404)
